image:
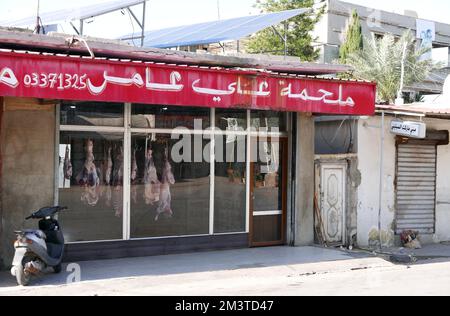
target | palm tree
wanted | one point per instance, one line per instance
(381, 59)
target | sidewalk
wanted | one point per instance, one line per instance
(432, 251)
(197, 273)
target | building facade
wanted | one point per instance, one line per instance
(414, 178)
(156, 152)
(392, 171)
(330, 33)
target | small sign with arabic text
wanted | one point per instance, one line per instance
(409, 129)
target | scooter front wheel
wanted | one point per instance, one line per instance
(23, 278)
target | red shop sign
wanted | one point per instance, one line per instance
(81, 79)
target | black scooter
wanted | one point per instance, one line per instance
(38, 249)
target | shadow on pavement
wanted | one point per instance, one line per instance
(430, 253)
(189, 263)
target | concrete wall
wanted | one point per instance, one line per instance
(369, 144)
(353, 183)
(376, 21)
(369, 166)
(332, 28)
(442, 185)
(28, 145)
(304, 211)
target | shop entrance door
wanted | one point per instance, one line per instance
(268, 192)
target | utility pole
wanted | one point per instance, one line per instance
(400, 100)
(380, 188)
(218, 9)
(144, 6)
(285, 39)
(37, 29)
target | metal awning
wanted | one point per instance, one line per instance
(73, 14)
(216, 31)
(59, 44)
(83, 13)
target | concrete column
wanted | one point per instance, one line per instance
(304, 209)
(28, 146)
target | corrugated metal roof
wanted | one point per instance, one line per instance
(432, 109)
(72, 14)
(13, 39)
(216, 31)
(272, 73)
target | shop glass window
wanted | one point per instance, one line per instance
(91, 185)
(268, 175)
(230, 184)
(169, 117)
(170, 186)
(92, 114)
(231, 120)
(269, 121)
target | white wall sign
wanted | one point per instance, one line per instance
(409, 129)
(426, 30)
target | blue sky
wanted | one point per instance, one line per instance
(166, 13)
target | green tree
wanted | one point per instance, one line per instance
(353, 38)
(380, 61)
(299, 28)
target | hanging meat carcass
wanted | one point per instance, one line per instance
(117, 179)
(89, 177)
(134, 193)
(109, 167)
(68, 171)
(134, 174)
(117, 182)
(134, 166)
(108, 176)
(165, 197)
(108, 195)
(117, 200)
(151, 181)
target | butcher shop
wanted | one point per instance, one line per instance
(157, 152)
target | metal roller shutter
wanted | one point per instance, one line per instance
(416, 188)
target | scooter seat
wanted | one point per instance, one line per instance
(38, 233)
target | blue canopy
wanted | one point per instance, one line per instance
(215, 32)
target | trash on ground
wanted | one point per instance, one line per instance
(410, 239)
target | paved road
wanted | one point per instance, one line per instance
(269, 271)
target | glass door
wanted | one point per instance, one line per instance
(268, 192)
